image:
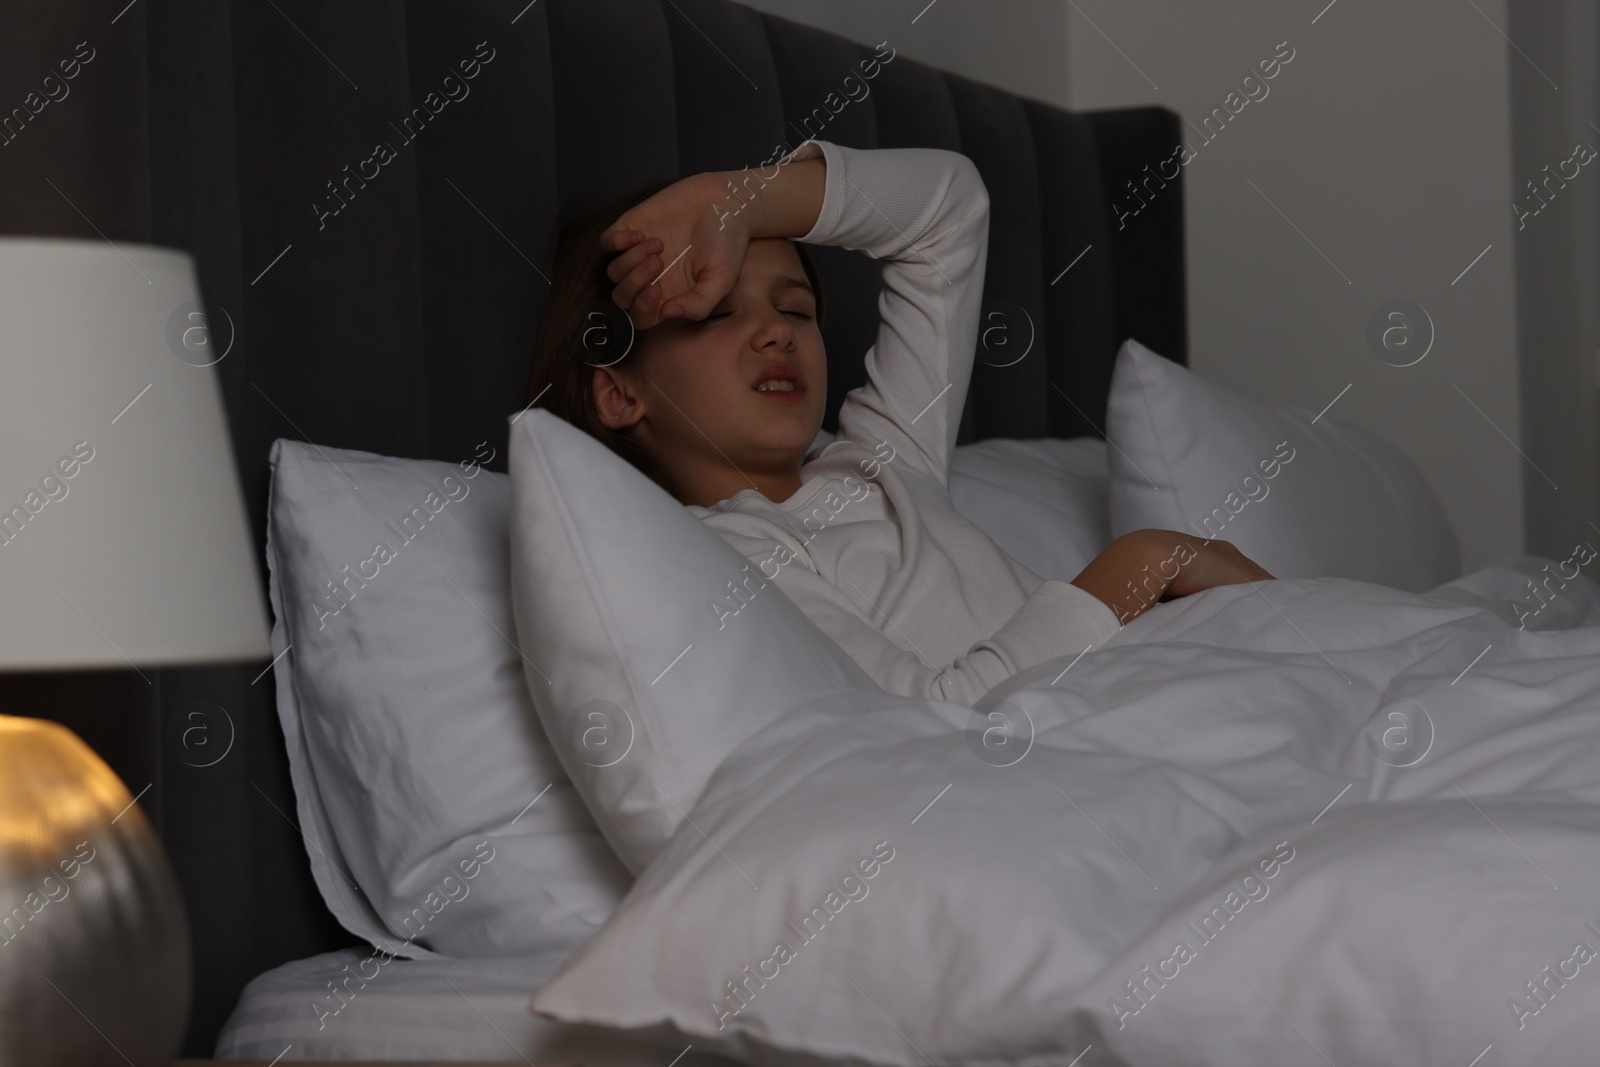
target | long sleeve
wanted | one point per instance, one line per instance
(1057, 619)
(924, 213)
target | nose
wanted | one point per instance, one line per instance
(775, 329)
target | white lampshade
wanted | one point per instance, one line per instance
(143, 556)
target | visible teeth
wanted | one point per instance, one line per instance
(776, 385)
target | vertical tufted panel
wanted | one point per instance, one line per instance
(231, 890)
(486, 196)
(616, 118)
(730, 101)
(1147, 252)
(1075, 228)
(1007, 401)
(914, 105)
(75, 147)
(344, 293)
(812, 66)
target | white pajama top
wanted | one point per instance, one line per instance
(870, 547)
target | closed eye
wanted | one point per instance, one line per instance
(800, 313)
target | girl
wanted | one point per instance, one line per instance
(720, 394)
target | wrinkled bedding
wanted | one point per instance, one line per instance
(1313, 821)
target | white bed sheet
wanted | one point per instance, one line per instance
(422, 1009)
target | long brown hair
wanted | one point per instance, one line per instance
(582, 325)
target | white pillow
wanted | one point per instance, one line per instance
(642, 677)
(1045, 502)
(1304, 501)
(432, 805)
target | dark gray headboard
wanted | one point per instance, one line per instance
(394, 311)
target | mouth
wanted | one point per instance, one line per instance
(780, 382)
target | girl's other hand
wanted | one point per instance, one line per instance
(1141, 568)
(682, 250)
(1214, 563)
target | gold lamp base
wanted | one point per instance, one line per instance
(94, 947)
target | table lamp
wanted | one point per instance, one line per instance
(123, 544)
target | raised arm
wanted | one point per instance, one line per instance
(698, 229)
(923, 212)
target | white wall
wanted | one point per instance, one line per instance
(1017, 45)
(1387, 141)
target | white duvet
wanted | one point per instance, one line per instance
(1315, 821)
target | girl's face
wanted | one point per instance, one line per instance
(745, 387)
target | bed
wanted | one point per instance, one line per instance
(1321, 818)
(433, 1010)
(396, 314)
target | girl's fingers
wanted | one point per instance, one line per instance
(615, 240)
(646, 310)
(619, 267)
(636, 279)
